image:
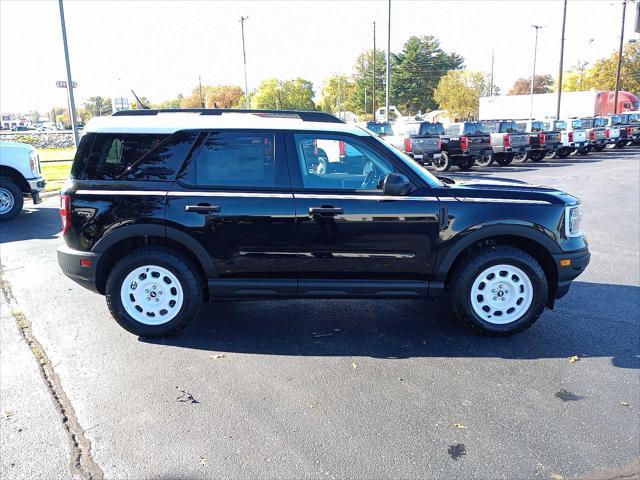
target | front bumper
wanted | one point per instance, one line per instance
(36, 186)
(577, 262)
(83, 274)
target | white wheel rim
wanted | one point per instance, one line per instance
(6, 200)
(501, 294)
(151, 295)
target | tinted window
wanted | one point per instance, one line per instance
(235, 159)
(453, 130)
(490, 127)
(615, 119)
(427, 128)
(508, 127)
(599, 122)
(473, 128)
(113, 153)
(521, 127)
(537, 127)
(164, 161)
(82, 155)
(587, 123)
(338, 162)
(560, 125)
(576, 124)
(382, 129)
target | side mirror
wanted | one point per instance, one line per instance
(395, 184)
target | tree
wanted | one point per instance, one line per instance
(145, 102)
(363, 76)
(577, 79)
(603, 73)
(95, 107)
(223, 96)
(284, 95)
(344, 85)
(459, 91)
(173, 103)
(522, 86)
(417, 70)
(34, 116)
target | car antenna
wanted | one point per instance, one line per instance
(144, 107)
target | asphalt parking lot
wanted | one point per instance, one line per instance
(330, 389)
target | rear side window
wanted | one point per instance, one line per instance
(235, 159)
(113, 153)
(164, 161)
(82, 155)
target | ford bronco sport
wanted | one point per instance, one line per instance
(166, 209)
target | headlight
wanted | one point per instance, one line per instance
(573, 219)
(34, 162)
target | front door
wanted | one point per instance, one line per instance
(234, 198)
(353, 239)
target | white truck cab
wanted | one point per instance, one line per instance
(20, 176)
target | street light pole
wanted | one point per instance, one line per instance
(244, 57)
(491, 82)
(564, 21)
(72, 104)
(615, 98)
(533, 74)
(373, 102)
(386, 111)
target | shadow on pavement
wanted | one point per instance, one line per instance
(34, 222)
(585, 323)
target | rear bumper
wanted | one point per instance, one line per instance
(578, 261)
(425, 158)
(69, 261)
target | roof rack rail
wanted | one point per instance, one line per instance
(304, 115)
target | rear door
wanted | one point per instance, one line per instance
(353, 239)
(233, 197)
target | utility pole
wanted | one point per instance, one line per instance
(339, 96)
(200, 87)
(533, 74)
(386, 111)
(365, 103)
(491, 82)
(581, 66)
(373, 102)
(615, 98)
(564, 21)
(72, 104)
(244, 57)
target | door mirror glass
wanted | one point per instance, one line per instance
(395, 184)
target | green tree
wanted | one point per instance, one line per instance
(223, 96)
(459, 91)
(603, 73)
(522, 86)
(145, 102)
(363, 77)
(284, 95)
(416, 71)
(343, 85)
(173, 103)
(96, 107)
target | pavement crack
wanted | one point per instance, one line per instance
(81, 462)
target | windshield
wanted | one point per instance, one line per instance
(382, 129)
(409, 162)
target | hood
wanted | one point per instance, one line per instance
(511, 191)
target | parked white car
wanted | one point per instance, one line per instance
(20, 176)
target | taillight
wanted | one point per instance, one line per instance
(506, 140)
(571, 136)
(439, 143)
(407, 145)
(542, 138)
(464, 143)
(629, 131)
(343, 148)
(65, 212)
(607, 133)
(592, 134)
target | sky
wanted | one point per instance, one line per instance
(159, 47)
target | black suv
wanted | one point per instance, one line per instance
(166, 209)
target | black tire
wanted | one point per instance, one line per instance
(466, 164)
(599, 148)
(563, 152)
(504, 159)
(473, 265)
(11, 194)
(485, 162)
(521, 157)
(537, 156)
(583, 151)
(443, 163)
(181, 267)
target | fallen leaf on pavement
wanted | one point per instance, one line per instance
(574, 358)
(625, 404)
(185, 397)
(216, 356)
(555, 476)
(7, 414)
(202, 461)
(354, 365)
(459, 425)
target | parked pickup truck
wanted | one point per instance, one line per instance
(425, 144)
(617, 121)
(540, 141)
(596, 132)
(574, 138)
(506, 141)
(632, 124)
(613, 131)
(462, 145)
(19, 176)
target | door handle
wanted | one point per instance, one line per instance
(325, 211)
(202, 208)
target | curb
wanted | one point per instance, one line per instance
(53, 193)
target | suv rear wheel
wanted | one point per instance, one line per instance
(499, 291)
(11, 200)
(153, 292)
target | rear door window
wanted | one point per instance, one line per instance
(113, 153)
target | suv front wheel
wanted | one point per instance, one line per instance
(499, 291)
(153, 292)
